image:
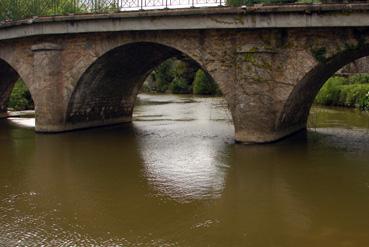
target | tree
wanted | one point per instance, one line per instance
(21, 9)
(204, 84)
(163, 76)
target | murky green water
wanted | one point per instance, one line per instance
(175, 178)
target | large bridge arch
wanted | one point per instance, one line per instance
(106, 91)
(297, 106)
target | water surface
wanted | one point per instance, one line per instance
(175, 178)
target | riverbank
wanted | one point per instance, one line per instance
(351, 92)
(28, 113)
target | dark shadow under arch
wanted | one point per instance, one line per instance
(8, 78)
(297, 107)
(106, 92)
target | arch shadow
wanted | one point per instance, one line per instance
(8, 78)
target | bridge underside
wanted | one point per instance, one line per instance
(107, 91)
(269, 78)
(8, 77)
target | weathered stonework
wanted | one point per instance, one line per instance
(269, 77)
(360, 66)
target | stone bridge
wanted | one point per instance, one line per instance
(269, 61)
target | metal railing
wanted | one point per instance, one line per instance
(153, 4)
(11, 10)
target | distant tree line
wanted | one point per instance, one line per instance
(180, 77)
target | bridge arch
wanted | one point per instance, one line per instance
(297, 106)
(106, 92)
(9, 75)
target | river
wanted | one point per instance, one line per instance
(175, 177)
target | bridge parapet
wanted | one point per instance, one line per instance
(13, 10)
(262, 17)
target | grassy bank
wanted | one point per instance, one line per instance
(345, 91)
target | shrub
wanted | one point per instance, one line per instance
(358, 79)
(163, 76)
(180, 86)
(364, 103)
(349, 92)
(249, 2)
(203, 84)
(329, 94)
(180, 77)
(173, 76)
(20, 99)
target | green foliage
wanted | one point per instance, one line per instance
(364, 104)
(163, 76)
(183, 77)
(204, 85)
(180, 86)
(250, 2)
(20, 99)
(308, 1)
(329, 93)
(180, 77)
(20, 9)
(185, 71)
(358, 79)
(348, 92)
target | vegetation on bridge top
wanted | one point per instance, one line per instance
(21, 9)
(11, 10)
